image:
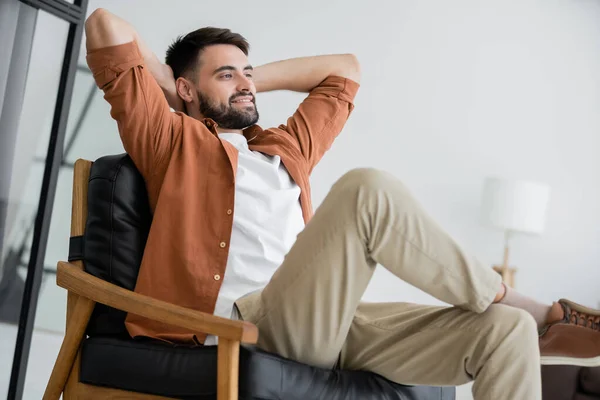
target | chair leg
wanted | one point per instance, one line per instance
(71, 390)
(70, 346)
(228, 362)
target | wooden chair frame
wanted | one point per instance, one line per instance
(85, 290)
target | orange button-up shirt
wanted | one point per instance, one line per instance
(190, 177)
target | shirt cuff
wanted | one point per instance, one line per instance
(107, 63)
(336, 86)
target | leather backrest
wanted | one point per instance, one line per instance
(117, 227)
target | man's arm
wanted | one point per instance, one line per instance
(305, 73)
(128, 74)
(104, 29)
(332, 82)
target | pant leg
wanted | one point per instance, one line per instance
(425, 345)
(369, 217)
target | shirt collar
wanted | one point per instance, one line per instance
(250, 132)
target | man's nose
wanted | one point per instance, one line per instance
(244, 84)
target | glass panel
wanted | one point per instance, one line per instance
(91, 133)
(31, 145)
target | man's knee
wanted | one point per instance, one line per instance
(370, 179)
(514, 323)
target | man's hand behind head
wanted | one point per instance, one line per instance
(167, 84)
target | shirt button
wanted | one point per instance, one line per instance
(217, 277)
(222, 244)
(229, 212)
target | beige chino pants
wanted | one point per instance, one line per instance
(311, 310)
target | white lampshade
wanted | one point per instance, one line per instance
(518, 206)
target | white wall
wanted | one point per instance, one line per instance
(452, 92)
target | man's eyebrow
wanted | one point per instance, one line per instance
(223, 68)
(231, 68)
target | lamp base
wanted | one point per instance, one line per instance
(507, 274)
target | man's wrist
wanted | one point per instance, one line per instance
(260, 79)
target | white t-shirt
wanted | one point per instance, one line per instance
(267, 218)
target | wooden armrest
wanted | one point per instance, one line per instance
(72, 278)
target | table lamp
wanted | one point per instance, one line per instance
(514, 207)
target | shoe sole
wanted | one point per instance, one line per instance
(581, 362)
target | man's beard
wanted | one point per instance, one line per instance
(228, 116)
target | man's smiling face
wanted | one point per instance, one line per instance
(225, 90)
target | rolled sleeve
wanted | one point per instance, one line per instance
(108, 62)
(138, 105)
(336, 86)
(321, 117)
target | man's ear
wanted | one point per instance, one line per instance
(185, 89)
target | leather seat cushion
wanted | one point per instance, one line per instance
(190, 373)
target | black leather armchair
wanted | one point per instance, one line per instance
(101, 360)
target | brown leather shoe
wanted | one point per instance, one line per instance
(573, 339)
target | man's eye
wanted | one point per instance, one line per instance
(249, 76)
(227, 76)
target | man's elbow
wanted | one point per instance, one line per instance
(96, 27)
(98, 17)
(351, 68)
(104, 29)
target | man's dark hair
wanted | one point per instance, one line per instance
(182, 54)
